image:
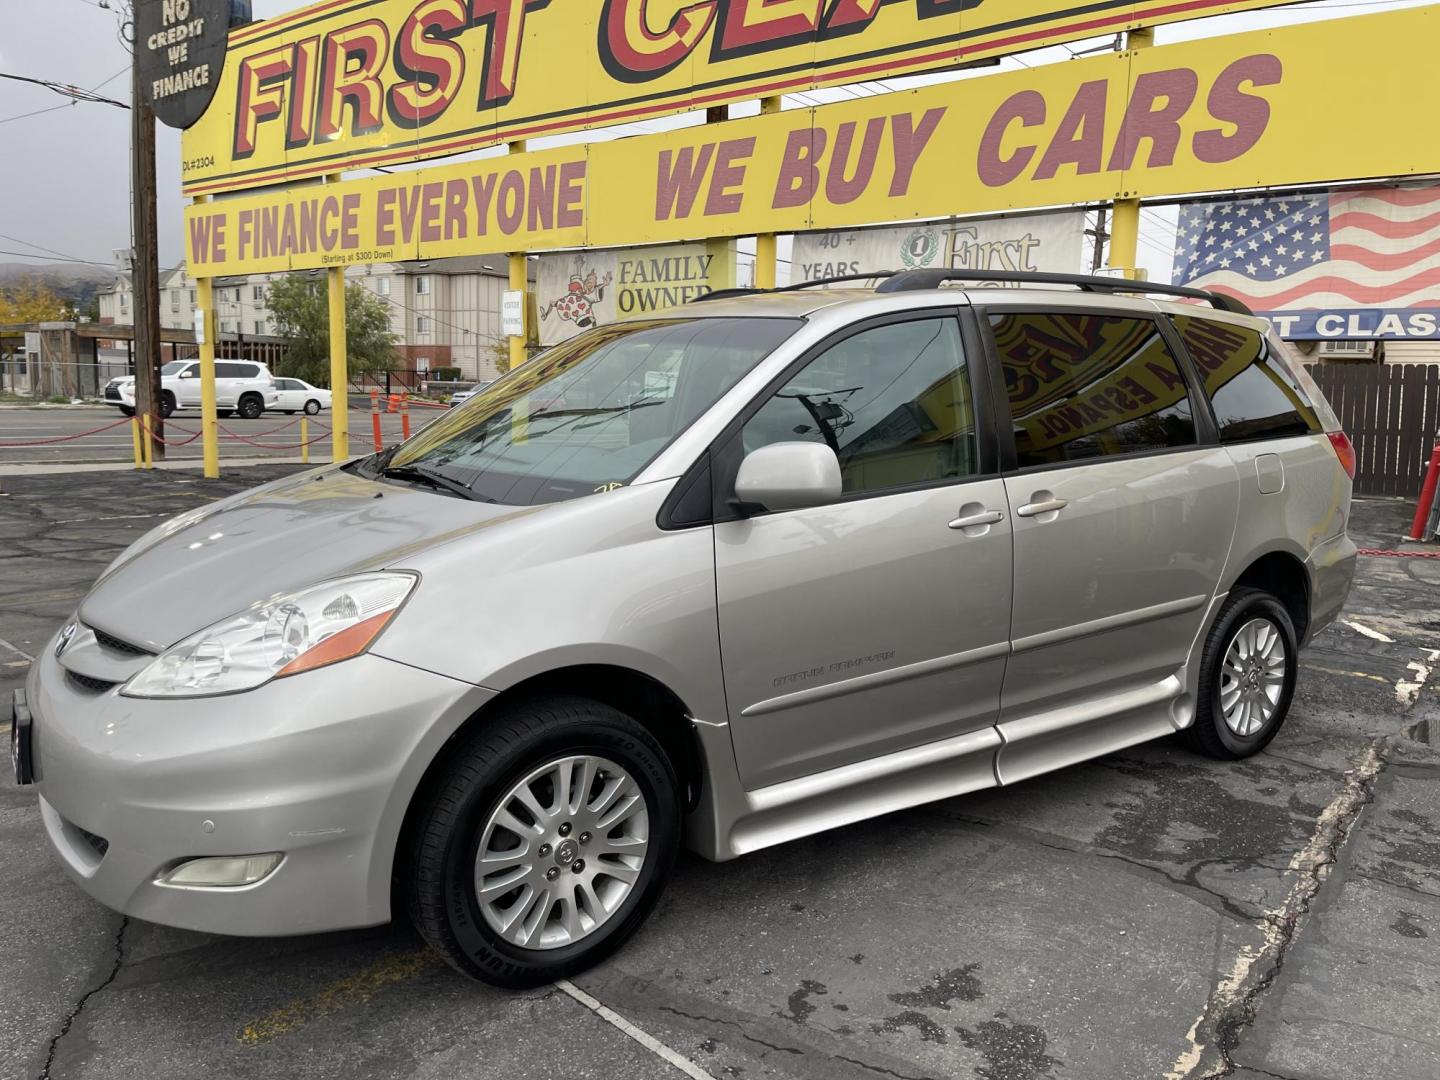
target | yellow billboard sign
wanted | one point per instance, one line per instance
(1251, 110)
(345, 84)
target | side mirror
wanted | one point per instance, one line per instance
(788, 476)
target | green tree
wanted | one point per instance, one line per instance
(30, 300)
(300, 306)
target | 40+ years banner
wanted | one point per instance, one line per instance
(1052, 242)
(1210, 115)
(343, 84)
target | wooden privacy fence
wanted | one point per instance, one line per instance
(1392, 414)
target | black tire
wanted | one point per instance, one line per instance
(126, 410)
(250, 406)
(312, 407)
(438, 879)
(1210, 734)
(167, 403)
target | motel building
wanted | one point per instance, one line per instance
(444, 312)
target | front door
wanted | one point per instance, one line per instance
(1123, 513)
(187, 388)
(879, 622)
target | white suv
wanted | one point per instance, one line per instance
(241, 386)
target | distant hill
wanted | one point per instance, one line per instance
(71, 281)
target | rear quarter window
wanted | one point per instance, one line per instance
(1252, 390)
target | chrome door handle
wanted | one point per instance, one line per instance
(1048, 506)
(988, 517)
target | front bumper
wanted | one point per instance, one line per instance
(319, 767)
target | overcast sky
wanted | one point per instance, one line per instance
(65, 182)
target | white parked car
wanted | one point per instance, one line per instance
(241, 386)
(462, 396)
(297, 394)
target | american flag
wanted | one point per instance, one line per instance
(1358, 248)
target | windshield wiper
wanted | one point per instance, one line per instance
(435, 480)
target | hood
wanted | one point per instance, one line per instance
(272, 541)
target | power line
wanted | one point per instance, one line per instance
(74, 93)
(46, 258)
(42, 247)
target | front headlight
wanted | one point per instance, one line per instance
(321, 625)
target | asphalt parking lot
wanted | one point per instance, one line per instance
(1152, 914)
(32, 435)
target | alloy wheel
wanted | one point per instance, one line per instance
(561, 852)
(1252, 677)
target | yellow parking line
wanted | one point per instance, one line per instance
(342, 994)
(1352, 674)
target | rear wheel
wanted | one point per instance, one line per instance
(545, 843)
(1247, 676)
(312, 407)
(251, 406)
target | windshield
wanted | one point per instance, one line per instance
(589, 414)
(174, 367)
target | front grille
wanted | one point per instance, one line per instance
(99, 843)
(96, 686)
(112, 393)
(109, 641)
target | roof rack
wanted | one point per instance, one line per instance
(912, 280)
(725, 294)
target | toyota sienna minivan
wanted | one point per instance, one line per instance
(762, 566)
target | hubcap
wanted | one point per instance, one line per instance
(1252, 677)
(536, 830)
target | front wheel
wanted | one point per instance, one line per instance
(167, 404)
(545, 843)
(126, 410)
(1247, 676)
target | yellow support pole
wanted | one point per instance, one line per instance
(209, 423)
(766, 248)
(305, 438)
(1124, 236)
(135, 441)
(339, 361)
(519, 282)
(1125, 213)
(147, 441)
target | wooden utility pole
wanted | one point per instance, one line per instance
(1097, 257)
(145, 265)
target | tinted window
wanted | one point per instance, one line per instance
(1086, 386)
(288, 384)
(235, 371)
(1254, 394)
(586, 416)
(893, 403)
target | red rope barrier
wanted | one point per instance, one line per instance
(1376, 552)
(66, 438)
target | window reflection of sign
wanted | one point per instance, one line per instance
(1072, 377)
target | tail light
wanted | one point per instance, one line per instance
(1344, 451)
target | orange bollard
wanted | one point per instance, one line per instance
(404, 417)
(394, 404)
(375, 420)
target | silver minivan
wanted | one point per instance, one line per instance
(726, 577)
